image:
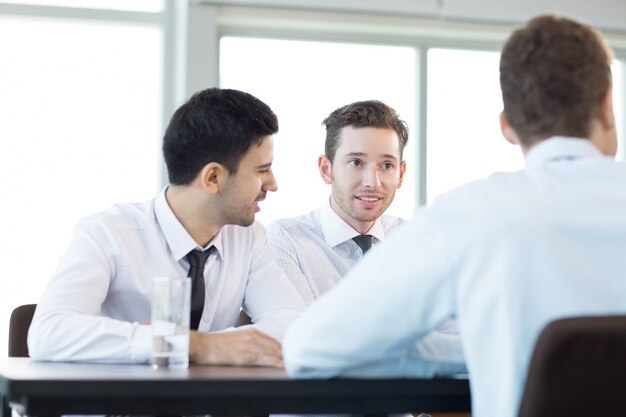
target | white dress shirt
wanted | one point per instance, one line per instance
(96, 301)
(505, 255)
(316, 250)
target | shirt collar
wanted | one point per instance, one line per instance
(559, 148)
(177, 238)
(337, 231)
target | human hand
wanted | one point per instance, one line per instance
(248, 347)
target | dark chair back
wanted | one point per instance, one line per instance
(578, 368)
(19, 323)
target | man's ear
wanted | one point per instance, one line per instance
(607, 117)
(326, 168)
(402, 171)
(213, 177)
(507, 131)
(604, 129)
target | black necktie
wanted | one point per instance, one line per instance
(364, 242)
(197, 259)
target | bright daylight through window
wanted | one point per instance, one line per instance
(81, 126)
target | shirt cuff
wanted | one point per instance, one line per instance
(141, 344)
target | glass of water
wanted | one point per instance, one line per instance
(171, 300)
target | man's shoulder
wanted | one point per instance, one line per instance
(303, 224)
(295, 231)
(121, 216)
(390, 222)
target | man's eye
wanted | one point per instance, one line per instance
(387, 165)
(355, 163)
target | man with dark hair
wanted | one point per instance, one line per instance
(363, 165)
(218, 151)
(505, 255)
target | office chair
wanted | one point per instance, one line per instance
(578, 368)
(19, 323)
(22, 316)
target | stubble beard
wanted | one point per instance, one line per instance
(343, 201)
(232, 212)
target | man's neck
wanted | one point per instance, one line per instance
(359, 226)
(192, 208)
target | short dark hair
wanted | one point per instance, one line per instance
(371, 113)
(214, 125)
(554, 73)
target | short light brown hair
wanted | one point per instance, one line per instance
(554, 73)
(371, 113)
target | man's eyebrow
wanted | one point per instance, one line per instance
(361, 154)
(264, 166)
(389, 156)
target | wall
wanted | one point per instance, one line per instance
(609, 15)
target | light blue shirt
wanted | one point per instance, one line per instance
(316, 250)
(505, 255)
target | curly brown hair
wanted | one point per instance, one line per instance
(554, 73)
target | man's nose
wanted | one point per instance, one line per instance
(270, 184)
(371, 177)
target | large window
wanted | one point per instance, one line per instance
(80, 104)
(304, 80)
(464, 142)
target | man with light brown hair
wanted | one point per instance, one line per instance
(364, 166)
